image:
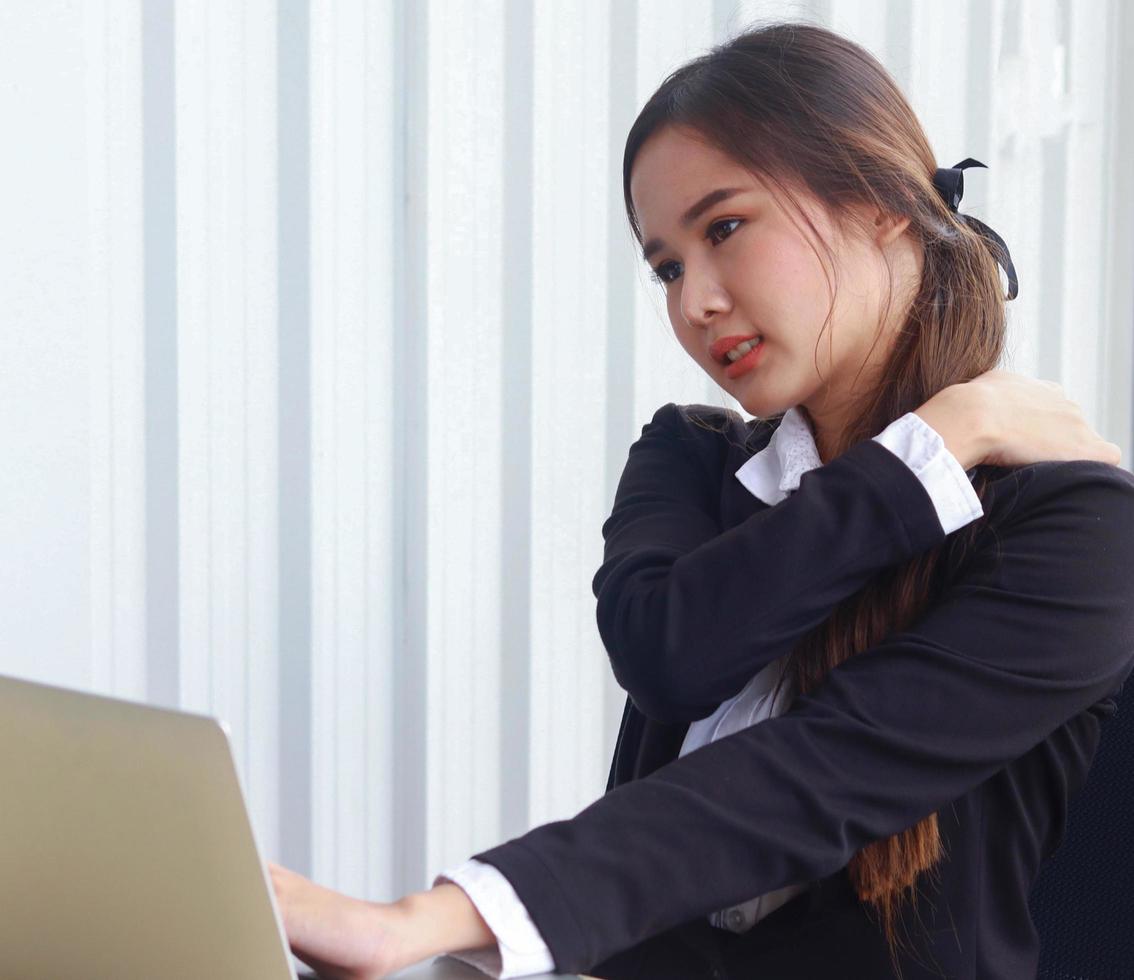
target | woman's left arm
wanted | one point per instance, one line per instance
(350, 938)
(1039, 628)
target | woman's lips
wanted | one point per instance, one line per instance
(721, 347)
(746, 363)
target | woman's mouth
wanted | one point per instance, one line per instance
(745, 362)
(741, 349)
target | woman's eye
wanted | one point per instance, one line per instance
(711, 236)
(668, 272)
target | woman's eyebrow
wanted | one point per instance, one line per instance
(703, 205)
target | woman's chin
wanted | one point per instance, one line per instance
(760, 405)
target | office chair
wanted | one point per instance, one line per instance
(1083, 900)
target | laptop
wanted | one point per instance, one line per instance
(126, 851)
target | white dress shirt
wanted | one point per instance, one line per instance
(770, 475)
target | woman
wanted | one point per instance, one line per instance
(888, 816)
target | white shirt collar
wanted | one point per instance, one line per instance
(775, 470)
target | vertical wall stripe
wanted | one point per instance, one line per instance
(1117, 334)
(515, 424)
(722, 20)
(1052, 226)
(624, 106)
(818, 12)
(571, 170)
(382, 154)
(863, 21)
(227, 375)
(899, 21)
(115, 297)
(257, 442)
(460, 373)
(1119, 236)
(933, 65)
(353, 206)
(160, 237)
(411, 448)
(295, 736)
(1074, 117)
(980, 83)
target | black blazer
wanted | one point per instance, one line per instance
(986, 710)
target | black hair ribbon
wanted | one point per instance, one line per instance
(950, 184)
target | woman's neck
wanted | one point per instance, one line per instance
(819, 432)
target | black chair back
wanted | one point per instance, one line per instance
(1083, 899)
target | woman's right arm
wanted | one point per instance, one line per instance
(689, 614)
(1037, 629)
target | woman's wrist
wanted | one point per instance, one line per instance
(441, 920)
(959, 414)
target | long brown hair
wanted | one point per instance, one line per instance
(795, 103)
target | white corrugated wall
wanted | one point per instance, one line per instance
(325, 341)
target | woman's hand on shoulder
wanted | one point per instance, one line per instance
(1001, 418)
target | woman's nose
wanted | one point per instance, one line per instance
(702, 296)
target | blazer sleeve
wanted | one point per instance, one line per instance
(1038, 628)
(688, 614)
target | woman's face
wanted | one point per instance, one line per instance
(742, 266)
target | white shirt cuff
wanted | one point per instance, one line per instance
(520, 950)
(921, 448)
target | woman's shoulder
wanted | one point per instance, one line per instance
(1047, 479)
(692, 448)
(1079, 485)
(715, 428)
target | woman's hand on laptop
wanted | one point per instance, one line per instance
(348, 938)
(336, 935)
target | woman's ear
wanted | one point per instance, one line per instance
(888, 227)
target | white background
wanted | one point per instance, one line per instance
(324, 341)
